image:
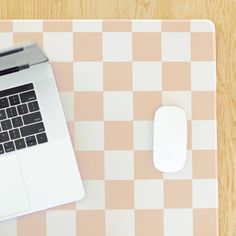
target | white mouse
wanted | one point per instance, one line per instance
(170, 139)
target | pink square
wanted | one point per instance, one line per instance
(6, 26)
(118, 135)
(117, 26)
(145, 158)
(57, 26)
(147, 46)
(176, 75)
(33, 224)
(203, 105)
(145, 104)
(21, 38)
(175, 26)
(149, 223)
(117, 76)
(119, 194)
(91, 164)
(87, 46)
(178, 193)
(90, 223)
(203, 46)
(205, 222)
(63, 72)
(204, 164)
(88, 105)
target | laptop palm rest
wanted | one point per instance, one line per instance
(13, 195)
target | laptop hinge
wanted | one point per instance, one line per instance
(19, 58)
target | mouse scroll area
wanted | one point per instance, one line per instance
(170, 139)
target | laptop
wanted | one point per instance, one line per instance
(38, 169)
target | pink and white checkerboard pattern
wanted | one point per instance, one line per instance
(112, 76)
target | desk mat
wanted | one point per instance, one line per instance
(112, 76)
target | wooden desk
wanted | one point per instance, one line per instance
(222, 12)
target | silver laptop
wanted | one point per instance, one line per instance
(38, 169)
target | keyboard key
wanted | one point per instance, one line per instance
(14, 133)
(33, 106)
(22, 109)
(14, 100)
(11, 112)
(32, 129)
(42, 138)
(32, 118)
(9, 146)
(1, 149)
(2, 115)
(28, 96)
(31, 141)
(4, 137)
(6, 124)
(3, 103)
(17, 89)
(20, 143)
(17, 121)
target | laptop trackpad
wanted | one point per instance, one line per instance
(13, 195)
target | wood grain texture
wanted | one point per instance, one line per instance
(222, 12)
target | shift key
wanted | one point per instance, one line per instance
(32, 129)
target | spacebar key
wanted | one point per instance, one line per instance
(32, 129)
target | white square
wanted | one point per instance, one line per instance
(61, 223)
(146, 26)
(8, 228)
(148, 194)
(119, 165)
(95, 195)
(6, 40)
(89, 135)
(176, 46)
(143, 135)
(120, 222)
(118, 106)
(88, 76)
(204, 134)
(178, 222)
(205, 193)
(28, 26)
(202, 26)
(180, 99)
(203, 76)
(147, 76)
(117, 46)
(87, 26)
(58, 46)
(185, 173)
(67, 101)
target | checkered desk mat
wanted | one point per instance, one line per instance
(112, 76)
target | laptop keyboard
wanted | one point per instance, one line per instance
(21, 123)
